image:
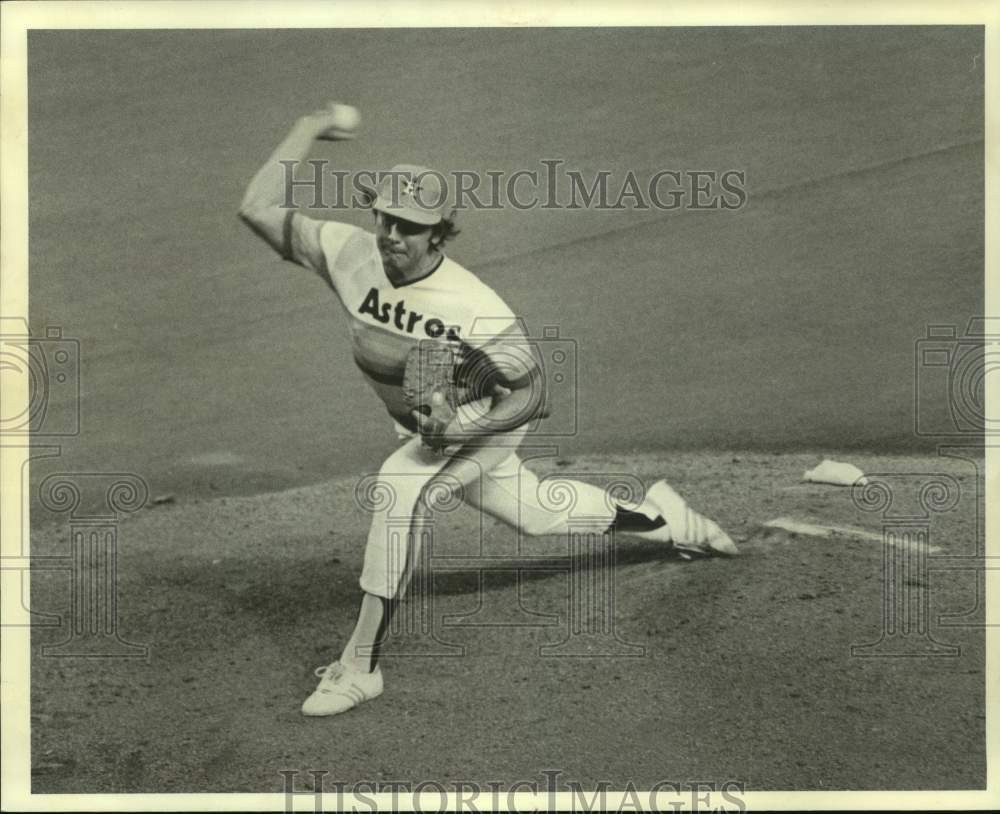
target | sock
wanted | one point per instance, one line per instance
(388, 609)
(362, 650)
(629, 522)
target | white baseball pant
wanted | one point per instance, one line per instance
(491, 478)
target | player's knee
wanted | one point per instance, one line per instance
(440, 494)
(389, 489)
(390, 470)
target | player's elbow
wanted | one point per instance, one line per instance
(266, 222)
(251, 214)
(254, 220)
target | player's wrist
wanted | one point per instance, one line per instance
(308, 126)
(335, 122)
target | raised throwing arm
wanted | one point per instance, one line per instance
(263, 207)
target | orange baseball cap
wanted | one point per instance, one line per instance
(413, 193)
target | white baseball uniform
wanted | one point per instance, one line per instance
(386, 321)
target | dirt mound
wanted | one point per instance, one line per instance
(650, 668)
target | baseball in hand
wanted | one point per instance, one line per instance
(340, 122)
(346, 117)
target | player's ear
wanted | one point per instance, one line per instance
(439, 233)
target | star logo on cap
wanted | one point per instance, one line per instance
(410, 188)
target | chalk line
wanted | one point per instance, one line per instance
(816, 530)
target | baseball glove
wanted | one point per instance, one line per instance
(429, 387)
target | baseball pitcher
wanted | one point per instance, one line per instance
(450, 361)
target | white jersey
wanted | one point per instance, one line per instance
(449, 303)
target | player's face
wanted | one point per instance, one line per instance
(405, 246)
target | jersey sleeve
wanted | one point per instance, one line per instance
(490, 319)
(319, 245)
(500, 335)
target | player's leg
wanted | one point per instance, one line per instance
(689, 531)
(512, 493)
(458, 479)
(410, 484)
(392, 497)
(344, 684)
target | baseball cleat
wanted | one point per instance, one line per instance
(341, 689)
(690, 532)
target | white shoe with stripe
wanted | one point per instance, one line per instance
(690, 532)
(341, 689)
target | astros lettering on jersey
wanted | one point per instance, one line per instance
(448, 303)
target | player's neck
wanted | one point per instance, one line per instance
(424, 268)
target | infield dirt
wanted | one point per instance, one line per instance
(737, 669)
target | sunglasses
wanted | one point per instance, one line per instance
(404, 227)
